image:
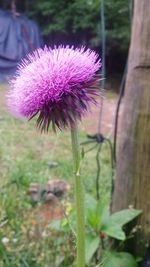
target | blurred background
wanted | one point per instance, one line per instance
(26, 25)
(36, 185)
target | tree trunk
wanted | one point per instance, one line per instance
(132, 185)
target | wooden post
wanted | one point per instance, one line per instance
(132, 186)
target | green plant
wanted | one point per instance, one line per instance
(101, 228)
(118, 259)
(101, 223)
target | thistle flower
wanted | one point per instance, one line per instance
(55, 84)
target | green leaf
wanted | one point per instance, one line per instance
(112, 225)
(94, 210)
(91, 245)
(118, 259)
(124, 216)
(105, 216)
(113, 230)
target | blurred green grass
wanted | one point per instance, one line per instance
(25, 154)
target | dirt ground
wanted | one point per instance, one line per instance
(108, 117)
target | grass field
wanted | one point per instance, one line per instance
(25, 155)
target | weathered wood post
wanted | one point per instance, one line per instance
(132, 186)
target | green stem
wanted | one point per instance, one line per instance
(79, 197)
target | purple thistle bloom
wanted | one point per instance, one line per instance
(57, 84)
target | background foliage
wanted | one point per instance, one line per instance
(78, 22)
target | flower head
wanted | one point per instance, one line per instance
(55, 84)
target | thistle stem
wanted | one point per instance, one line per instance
(79, 198)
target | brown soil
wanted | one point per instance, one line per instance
(108, 115)
(47, 212)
